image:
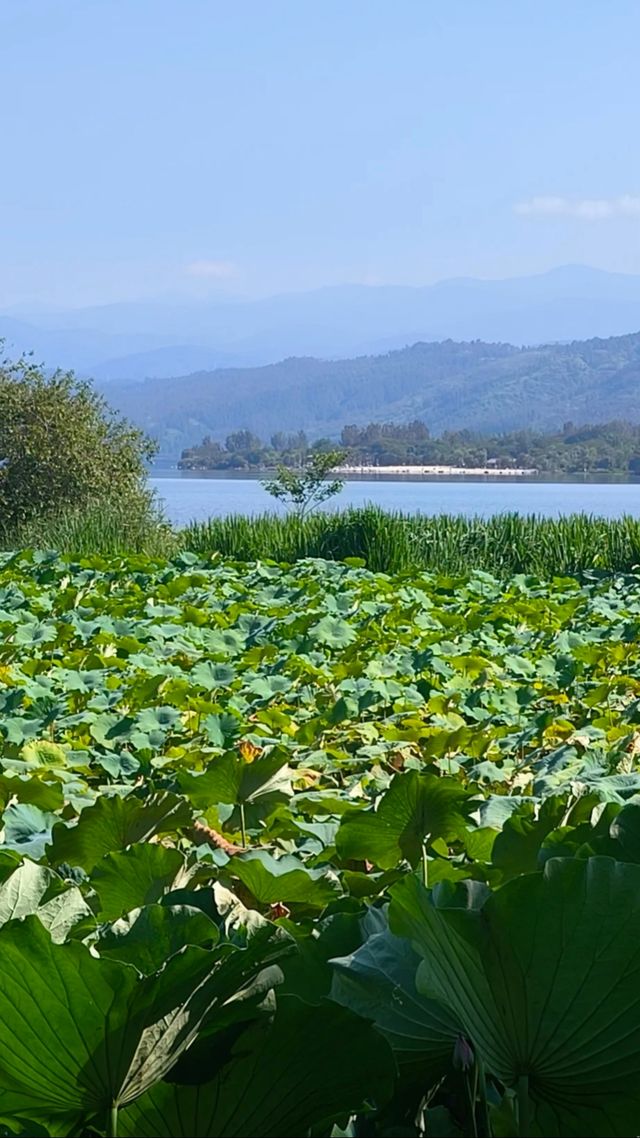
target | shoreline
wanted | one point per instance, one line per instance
(443, 471)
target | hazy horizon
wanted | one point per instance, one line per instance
(162, 298)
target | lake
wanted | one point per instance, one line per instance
(190, 497)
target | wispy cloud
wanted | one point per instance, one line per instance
(585, 209)
(213, 270)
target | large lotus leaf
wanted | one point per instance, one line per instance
(543, 977)
(233, 780)
(378, 981)
(201, 990)
(147, 937)
(113, 823)
(209, 675)
(59, 1009)
(43, 753)
(235, 920)
(82, 1034)
(24, 892)
(625, 831)
(272, 880)
(66, 914)
(416, 808)
(613, 787)
(156, 719)
(517, 847)
(332, 631)
(27, 829)
(308, 973)
(312, 1066)
(36, 791)
(109, 729)
(221, 729)
(134, 877)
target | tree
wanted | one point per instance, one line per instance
(241, 442)
(62, 446)
(303, 490)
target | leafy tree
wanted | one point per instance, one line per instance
(241, 441)
(303, 490)
(62, 447)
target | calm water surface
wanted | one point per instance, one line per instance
(187, 497)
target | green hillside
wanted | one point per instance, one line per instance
(484, 387)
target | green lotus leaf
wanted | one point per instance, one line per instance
(35, 633)
(113, 823)
(274, 1084)
(209, 676)
(333, 632)
(625, 831)
(542, 978)
(110, 729)
(66, 914)
(160, 719)
(221, 730)
(129, 879)
(27, 829)
(230, 779)
(35, 791)
(88, 1035)
(378, 981)
(148, 936)
(22, 892)
(272, 880)
(417, 808)
(42, 753)
(517, 847)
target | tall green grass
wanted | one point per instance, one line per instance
(387, 541)
(392, 542)
(108, 529)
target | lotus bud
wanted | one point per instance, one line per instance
(463, 1056)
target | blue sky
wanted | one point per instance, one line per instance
(199, 147)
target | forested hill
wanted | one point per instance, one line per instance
(486, 387)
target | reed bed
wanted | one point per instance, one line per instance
(503, 544)
(106, 529)
(391, 542)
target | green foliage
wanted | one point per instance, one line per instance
(243, 449)
(452, 386)
(62, 448)
(274, 1086)
(223, 787)
(392, 542)
(415, 811)
(539, 976)
(112, 528)
(612, 447)
(305, 489)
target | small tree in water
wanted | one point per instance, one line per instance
(303, 490)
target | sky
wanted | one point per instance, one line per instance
(196, 148)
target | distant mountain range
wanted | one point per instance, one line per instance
(134, 341)
(489, 387)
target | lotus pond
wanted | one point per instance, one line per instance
(317, 851)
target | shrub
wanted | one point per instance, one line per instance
(63, 448)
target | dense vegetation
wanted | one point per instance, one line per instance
(317, 851)
(451, 386)
(63, 448)
(395, 542)
(387, 542)
(612, 447)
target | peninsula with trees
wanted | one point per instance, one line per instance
(395, 448)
